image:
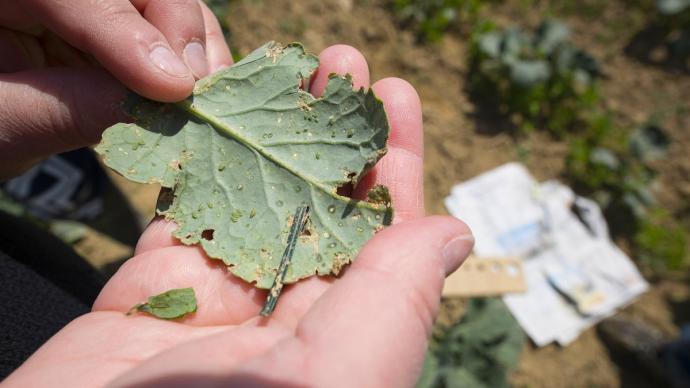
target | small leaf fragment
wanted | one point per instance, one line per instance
(171, 304)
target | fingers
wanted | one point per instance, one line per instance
(221, 297)
(19, 51)
(207, 362)
(158, 234)
(14, 16)
(48, 111)
(216, 48)
(128, 46)
(182, 24)
(386, 304)
(100, 347)
(72, 109)
(402, 169)
(340, 59)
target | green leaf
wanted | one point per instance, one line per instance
(604, 157)
(550, 35)
(490, 44)
(249, 147)
(477, 351)
(661, 242)
(649, 143)
(672, 7)
(537, 80)
(430, 372)
(462, 378)
(513, 43)
(171, 304)
(488, 328)
(528, 73)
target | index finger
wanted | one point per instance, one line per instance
(402, 169)
(386, 303)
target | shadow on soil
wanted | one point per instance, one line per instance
(656, 46)
(630, 371)
(680, 309)
(487, 117)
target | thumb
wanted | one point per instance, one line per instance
(376, 319)
(47, 111)
(369, 329)
(124, 43)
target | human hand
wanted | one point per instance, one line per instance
(369, 328)
(64, 64)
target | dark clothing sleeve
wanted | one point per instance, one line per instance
(32, 309)
(44, 285)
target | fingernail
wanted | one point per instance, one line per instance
(166, 60)
(195, 56)
(456, 251)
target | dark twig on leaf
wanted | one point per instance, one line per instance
(298, 223)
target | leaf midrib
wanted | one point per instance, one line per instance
(189, 107)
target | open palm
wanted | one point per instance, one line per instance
(369, 328)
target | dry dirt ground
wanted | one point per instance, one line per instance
(460, 144)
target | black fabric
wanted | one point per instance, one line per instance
(44, 285)
(50, 258)
(676, 357)
(32, 309)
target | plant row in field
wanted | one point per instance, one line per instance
(540, 80)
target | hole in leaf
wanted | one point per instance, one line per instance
(207, 234)
(346, 188)
(305, 232)
(175, 165)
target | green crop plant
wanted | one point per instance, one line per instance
(478, 351)
(676, 11)
(661, 243)
(430, 19)
(613, 167)
(538, 80)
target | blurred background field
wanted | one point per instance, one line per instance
(595, 93)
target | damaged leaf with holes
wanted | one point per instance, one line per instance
(246, 149)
